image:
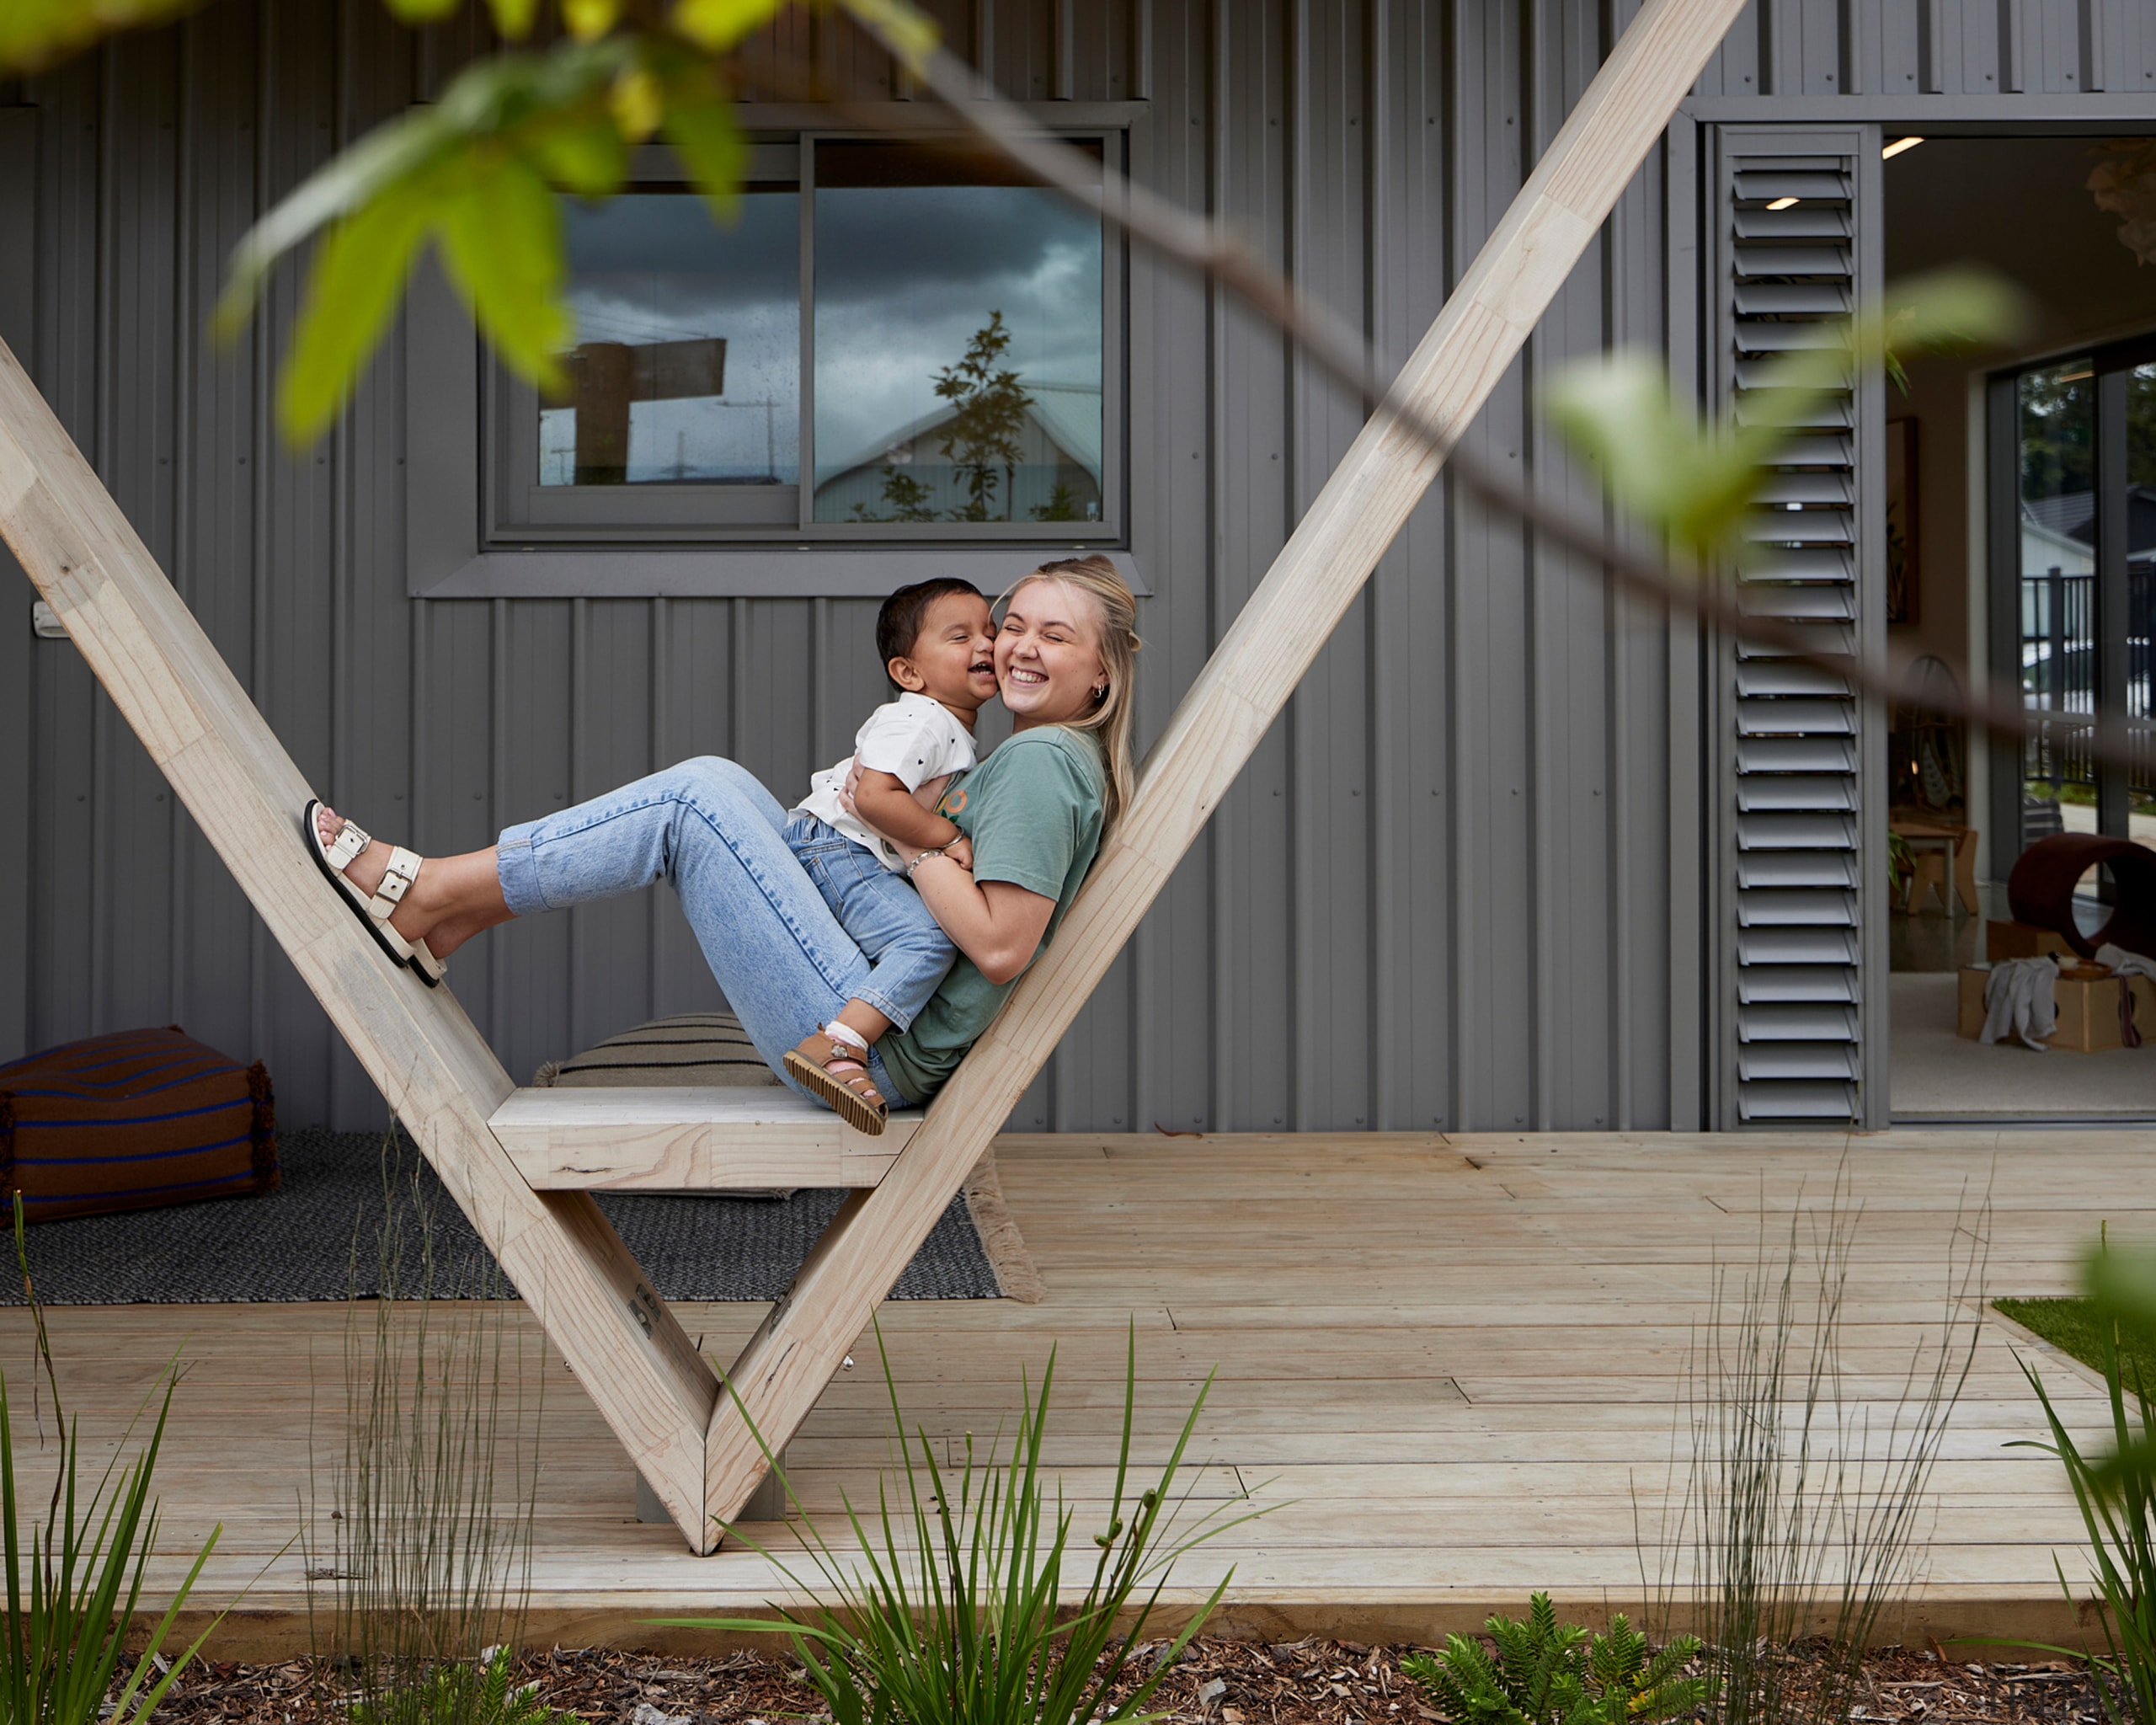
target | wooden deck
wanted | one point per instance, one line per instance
(1453, 1364)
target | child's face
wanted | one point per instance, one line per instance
(953, 657)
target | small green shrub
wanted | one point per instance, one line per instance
(952, 1612)
(1544, 1672)
(460, 1694)
(73, 1594)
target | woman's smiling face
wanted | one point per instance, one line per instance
(1047, 657)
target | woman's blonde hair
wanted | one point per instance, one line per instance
(1111, 718)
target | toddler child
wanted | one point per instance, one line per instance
(938, 643)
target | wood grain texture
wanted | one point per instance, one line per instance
(1482, 1413)
(167, 679)
(1229, 708)
(688, 1138)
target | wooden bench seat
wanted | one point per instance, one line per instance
(683, 1138)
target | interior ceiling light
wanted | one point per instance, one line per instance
(1781, 203)
(1896, 148)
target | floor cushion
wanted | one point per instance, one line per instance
(694, 1048)
(134, 1120)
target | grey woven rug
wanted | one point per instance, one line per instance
(319, 1237)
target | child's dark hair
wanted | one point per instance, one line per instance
(897, 624)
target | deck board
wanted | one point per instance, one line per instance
(1454, 1364)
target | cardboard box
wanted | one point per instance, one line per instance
(2022, 940)
(2088, 1010)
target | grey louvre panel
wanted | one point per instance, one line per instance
(1779, 868)
(1782, 718)
(1791, 932)
(1800, 1023)
(1768, 789)
(1768, 1101)
(1753, 261)
(1808, 221)
(1759, 599)
(1798, 1060)
(1802, 485)
(1797, 946)
(1835, 637)
(1786, 984)
(1765, 754)
(1766, 908)
(1757, 299)
(1790, 562)
(1767, 335)
(1758, 188)
(1795, 832)
(1787, 677)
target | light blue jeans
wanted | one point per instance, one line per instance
(775, 947)
(899, 935)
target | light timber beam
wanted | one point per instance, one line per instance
(168, 681)
(1228, 709)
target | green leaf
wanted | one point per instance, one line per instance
(502, 243)
(35, 33)
(585, 154)
(2122, 1282)
(351, 295)
(514, 19)
(715, 25)
(700, 126)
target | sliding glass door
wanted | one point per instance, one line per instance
(2073, 573)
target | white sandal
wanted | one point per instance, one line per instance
(338, 854)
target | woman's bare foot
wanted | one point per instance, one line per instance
(453, 898)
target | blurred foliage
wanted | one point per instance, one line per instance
(2116, 1490)
(474, 175)
(1697, 485)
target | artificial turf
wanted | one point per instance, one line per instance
(2071, 1325)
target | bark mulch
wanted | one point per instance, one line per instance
(1217, 1682)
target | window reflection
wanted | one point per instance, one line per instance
(687, 366)
(957, 342)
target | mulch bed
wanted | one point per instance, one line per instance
(1218, 1682)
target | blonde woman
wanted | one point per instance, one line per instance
(1034, 813)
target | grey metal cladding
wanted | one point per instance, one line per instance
(1791, 781)
(1459, 885)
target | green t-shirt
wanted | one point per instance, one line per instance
(1032, 810)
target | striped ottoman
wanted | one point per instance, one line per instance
(133, 1121)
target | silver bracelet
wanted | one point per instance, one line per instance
(925, 855)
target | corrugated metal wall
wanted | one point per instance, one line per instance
(1442, 892)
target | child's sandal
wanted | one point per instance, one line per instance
(836, 1072)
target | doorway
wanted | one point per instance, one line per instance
(2021, 534)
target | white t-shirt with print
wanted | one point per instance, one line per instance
(915, 739)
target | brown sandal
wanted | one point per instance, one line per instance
(837, 1073)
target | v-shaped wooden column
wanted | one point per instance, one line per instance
(694, 1446)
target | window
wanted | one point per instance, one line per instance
(897, 342)
(2076, 455)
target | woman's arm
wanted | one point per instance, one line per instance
(996, 924)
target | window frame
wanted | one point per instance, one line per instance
(468, 537)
